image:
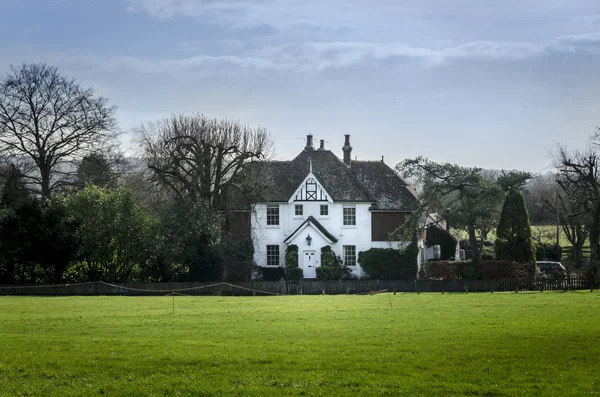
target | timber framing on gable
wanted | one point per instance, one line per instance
(310, 190)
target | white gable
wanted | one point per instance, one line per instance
(310, 190)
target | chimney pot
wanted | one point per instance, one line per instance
(322, 144)
(309, 144)
(347, 149)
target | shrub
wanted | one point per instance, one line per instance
(294, 273)
(504, 269)
(438, 270)
(549, 252)
(487, 254)
(332, 267)
(235, 270)
(291, 256)
(468, 270)
(236, 259)
(272, 273)
(389, 263)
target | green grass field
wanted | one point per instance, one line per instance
(501, 344)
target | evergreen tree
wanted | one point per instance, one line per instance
(14, 190)
(513, 235)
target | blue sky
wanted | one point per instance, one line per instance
(479, 83)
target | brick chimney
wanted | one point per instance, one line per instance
(322, 144)
(309, 146)
(347, 149)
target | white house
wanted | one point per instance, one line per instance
(316, 199)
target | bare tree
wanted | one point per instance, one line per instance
(574, 218)
(579, 175)
(51, 120)
(198, 158)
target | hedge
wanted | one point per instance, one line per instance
(389, 263)
(468, 270)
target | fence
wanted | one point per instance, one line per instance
(307, 287)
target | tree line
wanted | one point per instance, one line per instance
(74, 208)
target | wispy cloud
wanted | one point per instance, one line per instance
(315, 57)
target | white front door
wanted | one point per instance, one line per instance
(309, 264)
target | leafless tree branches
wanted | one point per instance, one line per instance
(198, 158)
(51, 120)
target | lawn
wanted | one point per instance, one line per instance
(501, 344)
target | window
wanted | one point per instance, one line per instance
(350, 255)
(272, 255)
(349, 216)
(273, 215)
(298, 210)
(324, 210)
(437, 252)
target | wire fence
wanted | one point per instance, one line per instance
(305, 287)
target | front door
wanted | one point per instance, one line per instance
(309, 264)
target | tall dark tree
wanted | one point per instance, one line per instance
(197, 158)
(37, 243)
(101, 168)
(51, 120)
(14, 190)
(513, 234)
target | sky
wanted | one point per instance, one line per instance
(479, 83)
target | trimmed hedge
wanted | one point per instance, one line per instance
(389, 263)
(468, 270)
(272, 273)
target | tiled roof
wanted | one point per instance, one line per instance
(363, 181)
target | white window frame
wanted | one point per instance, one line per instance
(326, 207)
(270, 217)
(298, 207)
(272, 257)
(350, 255)
(347, 219)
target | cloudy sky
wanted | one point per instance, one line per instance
(494, 84)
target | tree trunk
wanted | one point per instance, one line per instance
(473, 243)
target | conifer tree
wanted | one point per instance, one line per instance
(513, 235)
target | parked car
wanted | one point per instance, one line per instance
(552, 269)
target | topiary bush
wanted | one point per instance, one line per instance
(389, 263)
(332, 267)
(294, 273)
(514, 241)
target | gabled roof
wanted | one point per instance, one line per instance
(385, 185)
(317, 225)
(364, 181)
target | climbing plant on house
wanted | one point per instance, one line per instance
(292, 271)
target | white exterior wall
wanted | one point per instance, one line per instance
(359, 235)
